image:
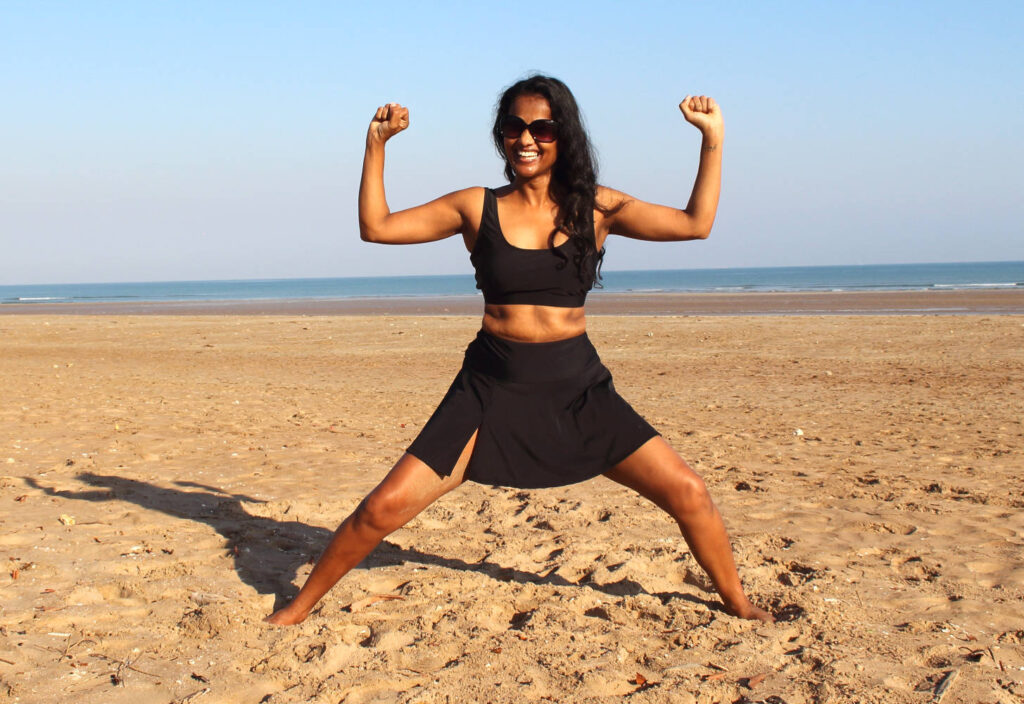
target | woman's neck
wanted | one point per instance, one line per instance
(534, 191)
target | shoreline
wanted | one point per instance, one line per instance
(957, 302)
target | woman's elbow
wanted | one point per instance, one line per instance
(694, 226)
(368, 234)
(702, 228)
(697, 232)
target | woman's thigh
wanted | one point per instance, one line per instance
(657, 472)
(412, 485)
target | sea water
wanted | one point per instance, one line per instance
(878, 277)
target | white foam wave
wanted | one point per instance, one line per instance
(978, 285)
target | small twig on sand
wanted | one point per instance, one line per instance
(5, 660)
(128, 665)
(944, 685)
(190, 697)
(122, 665)
(70, 645)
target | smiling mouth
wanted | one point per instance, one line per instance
(523, 155)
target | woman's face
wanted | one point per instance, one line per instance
(527, 156)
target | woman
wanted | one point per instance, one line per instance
(533, 406)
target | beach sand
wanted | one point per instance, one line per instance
(165, 479)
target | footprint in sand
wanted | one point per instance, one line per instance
(884, 527)
(991, 574)
(547, 551)
(914, 569)
(797, 574)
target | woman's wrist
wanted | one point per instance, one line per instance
(711, 140)
(712, 135)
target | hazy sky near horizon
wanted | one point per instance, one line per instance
(170, 141)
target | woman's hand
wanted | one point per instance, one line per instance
(702, 112)
(388, 121)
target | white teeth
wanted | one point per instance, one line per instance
(527, 155)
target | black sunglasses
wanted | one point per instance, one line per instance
(541, 130)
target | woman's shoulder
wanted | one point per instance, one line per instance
(608, 203)
(471, 193)
(606, 198)
(470, 203)
(467, 201)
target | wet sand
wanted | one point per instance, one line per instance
(962, 302)
(167, 479)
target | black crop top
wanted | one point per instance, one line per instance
(512, 275)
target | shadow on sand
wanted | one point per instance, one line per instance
(269, 552)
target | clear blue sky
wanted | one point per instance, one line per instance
(165, 141)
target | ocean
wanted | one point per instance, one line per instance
(877, 277)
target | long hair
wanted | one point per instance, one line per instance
(574, 178)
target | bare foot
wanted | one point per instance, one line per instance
(288, 616)
(749, 611)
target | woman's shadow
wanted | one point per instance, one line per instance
(268, 553)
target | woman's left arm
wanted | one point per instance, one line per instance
(640, 220)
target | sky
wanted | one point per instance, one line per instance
(193, 141)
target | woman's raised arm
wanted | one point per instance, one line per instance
(631, 217)
(432, 221)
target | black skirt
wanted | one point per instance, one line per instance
(547, 413)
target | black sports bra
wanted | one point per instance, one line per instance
(510, 275)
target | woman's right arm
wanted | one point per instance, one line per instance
(432, 221)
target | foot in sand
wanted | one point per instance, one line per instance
(287, 616)
(749, 611)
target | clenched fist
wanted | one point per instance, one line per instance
(703, 113)
(388, 121)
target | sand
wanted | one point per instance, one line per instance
(166, 479)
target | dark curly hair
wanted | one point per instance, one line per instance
(574, 179)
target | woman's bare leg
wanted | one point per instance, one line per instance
(408, 488)
(656, 472)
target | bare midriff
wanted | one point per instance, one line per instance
(529, 323)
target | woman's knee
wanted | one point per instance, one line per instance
(384, 510)
(409, 487)
(690, 494)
